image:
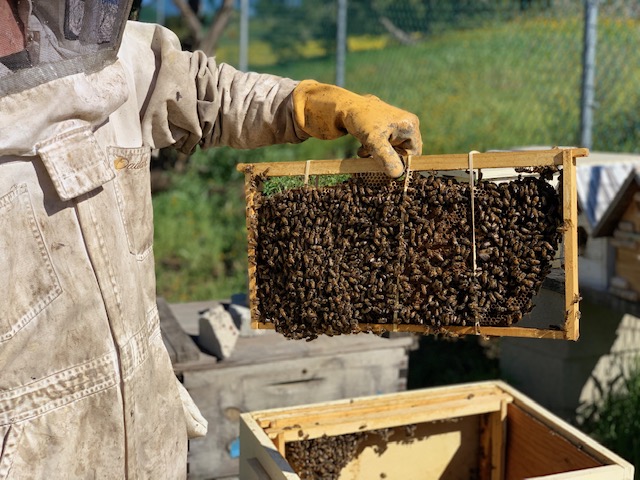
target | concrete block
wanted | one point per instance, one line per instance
(242, 318)
(218, 333)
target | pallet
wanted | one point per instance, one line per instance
(564, 157)
(486, 430)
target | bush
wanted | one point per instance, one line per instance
(614, 421)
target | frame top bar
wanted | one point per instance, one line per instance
(501, 159)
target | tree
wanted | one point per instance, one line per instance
(204, 38)
(289, 25)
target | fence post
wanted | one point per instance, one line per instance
(243, 60)
(341, 42)
(160, 12)
(587, 103)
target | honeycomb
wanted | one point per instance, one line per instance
(374, 251)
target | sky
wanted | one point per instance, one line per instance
(171, 9)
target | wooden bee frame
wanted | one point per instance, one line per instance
(487, 428)
(560, 157)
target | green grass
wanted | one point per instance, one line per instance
(497, 87)
(200, 244)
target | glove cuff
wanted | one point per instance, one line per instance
(318, 109)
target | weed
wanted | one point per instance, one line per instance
(614, 420)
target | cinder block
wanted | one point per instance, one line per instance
(218, 333)
(242, 318)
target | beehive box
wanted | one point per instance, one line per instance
(345, 249)
(481, 431)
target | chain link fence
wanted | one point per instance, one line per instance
(480, 74)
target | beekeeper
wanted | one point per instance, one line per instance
(86, 385)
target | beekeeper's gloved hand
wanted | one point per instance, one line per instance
(327, 112)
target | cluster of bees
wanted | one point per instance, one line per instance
(325, 457)
(330, 260)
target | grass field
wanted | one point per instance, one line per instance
(497, 87)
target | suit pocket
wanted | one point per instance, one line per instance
(133, 189)
(30, 283)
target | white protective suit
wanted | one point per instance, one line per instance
(86, 385)
(87, 388)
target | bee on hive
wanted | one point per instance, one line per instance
(334, 258)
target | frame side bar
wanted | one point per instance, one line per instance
(570, 214)
(252, 242)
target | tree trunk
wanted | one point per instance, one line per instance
(193, 22)
(206, 41)
(220, 21)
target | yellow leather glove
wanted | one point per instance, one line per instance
(327, 112)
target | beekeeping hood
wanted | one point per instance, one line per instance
(62, 37)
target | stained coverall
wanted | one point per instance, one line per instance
(86, 385)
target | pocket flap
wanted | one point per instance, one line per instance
(75, 161)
